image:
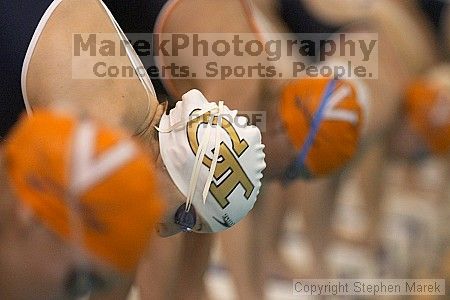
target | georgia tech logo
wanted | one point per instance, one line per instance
(228, 166)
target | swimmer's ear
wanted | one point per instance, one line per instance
(160, 110)
(150, 136)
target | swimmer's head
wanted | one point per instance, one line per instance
(323, 119)
(86, 203)
(215, 160)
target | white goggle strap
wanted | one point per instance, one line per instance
(216, 153)
(203, 146)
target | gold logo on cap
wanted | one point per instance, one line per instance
(229, 171)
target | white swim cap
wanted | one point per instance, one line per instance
(222, 186)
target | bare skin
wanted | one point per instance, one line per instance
(162, 256)
(51, 68)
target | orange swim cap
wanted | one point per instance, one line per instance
(323, 119)
(428, 110)
(66, 169)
